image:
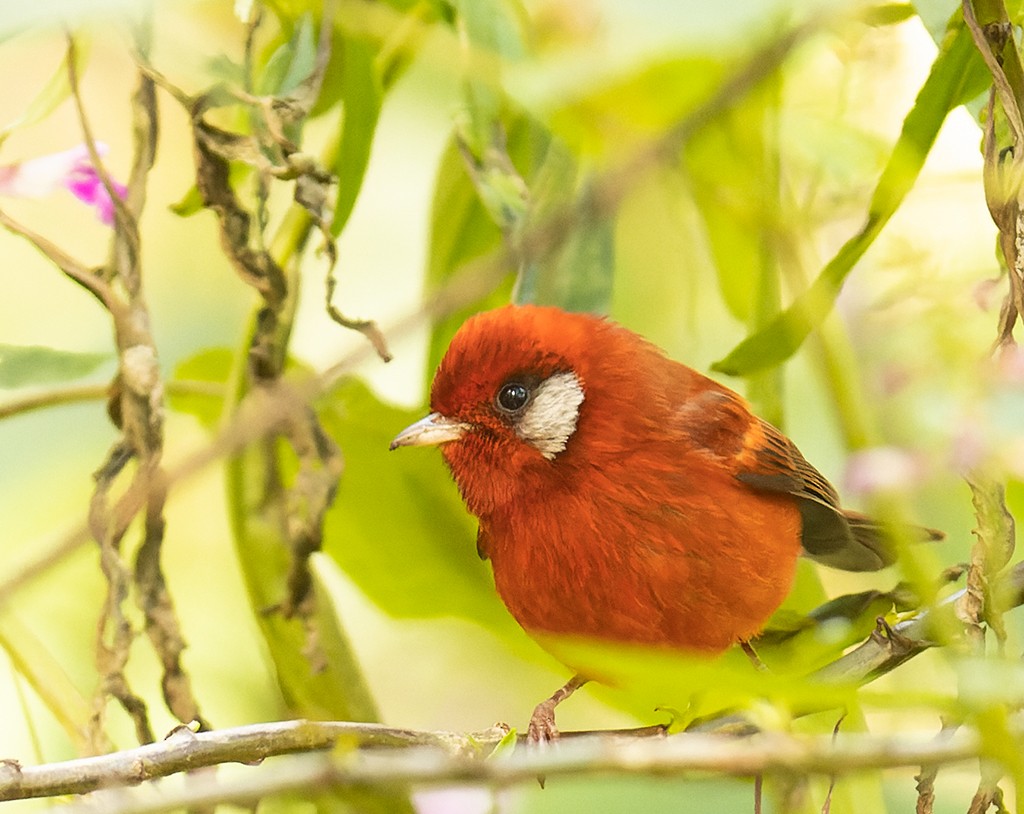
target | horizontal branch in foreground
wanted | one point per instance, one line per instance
(397, 757)
(380, 755)
(455, 756)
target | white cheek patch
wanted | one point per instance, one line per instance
(550, 419)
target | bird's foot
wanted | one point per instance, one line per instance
(542, 729)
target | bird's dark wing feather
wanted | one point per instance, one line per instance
(830, 535)
(720, 422)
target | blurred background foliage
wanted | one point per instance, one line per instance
(789, 192)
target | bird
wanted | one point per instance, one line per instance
(623, 496)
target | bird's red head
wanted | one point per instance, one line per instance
(522, 389)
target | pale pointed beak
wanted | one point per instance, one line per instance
(434, 429)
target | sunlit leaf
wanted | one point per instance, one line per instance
(46, 676)
(693, 685)
(958, 74)
(623, 114)
(398, 527)
(361, 96)
(22, 365)
(56, 90)
(213, 365)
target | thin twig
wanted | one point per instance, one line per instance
(88, 278)
(94, 392)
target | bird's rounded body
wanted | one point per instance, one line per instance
(622, 495)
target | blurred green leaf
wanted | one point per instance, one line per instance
(362, 97)
(506, 746)
(692, 685)
(936, 16)
(189, 203)
(47, 678)
(460, 229)
(22, 365)
(56, 90)
(957, 75)
(259, 520)
(623, 114)
(317, 671)
(213, 365)
(579, 277)
(890, 13)
(734, 182)
(805, 643)
(291, 62)
(492, 29)
(398, 527)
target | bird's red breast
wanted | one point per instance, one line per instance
(622, 495)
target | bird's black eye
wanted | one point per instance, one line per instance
(513, 396)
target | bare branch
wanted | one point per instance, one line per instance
(381, 757)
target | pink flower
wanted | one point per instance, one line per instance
(71, 169)
(882, 469)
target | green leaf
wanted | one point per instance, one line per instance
(22, 365)
(47, 677)
(291, 62)
(506, 746)
(192, 201)
(624, 113)
(694, 685)
(362, 96)
(56, 90)
(957, 75)
(734, 182)
(213, 365)
(261, 511)
(890, 14)
(415, 555)
(493, 32)
(580, 276)
(460, 229)
(189, 203)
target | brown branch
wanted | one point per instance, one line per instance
(95, 392)
(114, 632)
(381, 757)
(53, 398)
(995, 41)
(137, 402)
(997, 34)
(367, 327)
(320, 469)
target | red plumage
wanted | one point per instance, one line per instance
(626, 496)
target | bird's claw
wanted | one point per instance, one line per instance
(542, 729)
